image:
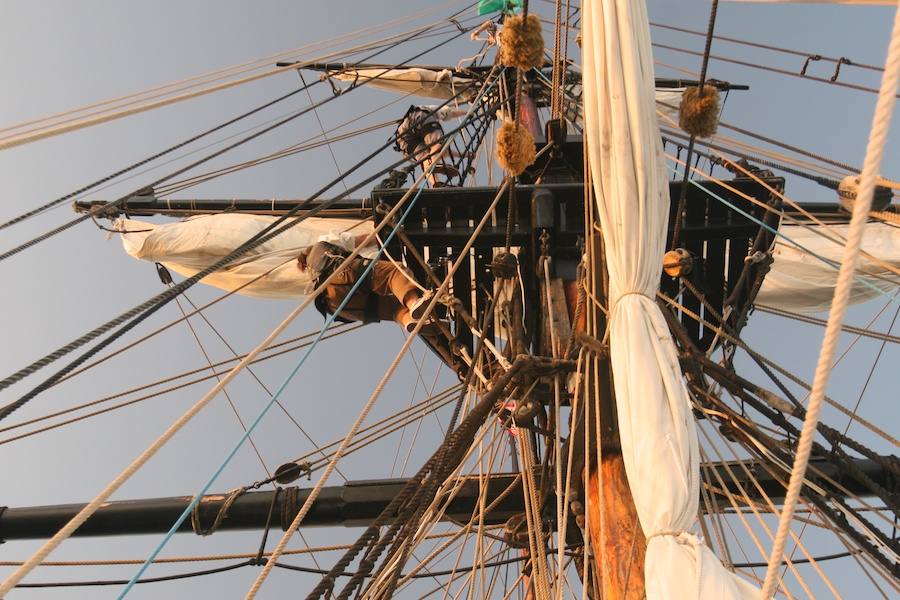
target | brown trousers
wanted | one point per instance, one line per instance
(390, 285)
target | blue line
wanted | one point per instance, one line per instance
(265, 409)
(262, 413)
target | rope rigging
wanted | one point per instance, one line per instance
(696, 131)
(107, 208)
(768, 47)
(749, 427)
(112, 176)
(769, 69)
(393, 544)
(141, 312)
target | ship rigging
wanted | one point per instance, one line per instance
(525, 471)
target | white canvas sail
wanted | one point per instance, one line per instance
(805, 270)
(267, 271)
(655, 420)
(416, 81)
(443, 85)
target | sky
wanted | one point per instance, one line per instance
(55, 56)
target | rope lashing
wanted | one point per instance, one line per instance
(618, 301)
(220, 516)
(682, 534)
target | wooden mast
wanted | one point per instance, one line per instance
(618, 541)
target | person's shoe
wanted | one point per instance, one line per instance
(429, 328)
(417, 310)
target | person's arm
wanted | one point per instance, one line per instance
(359, 240)
(445, 113)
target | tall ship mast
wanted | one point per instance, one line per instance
(574, 403)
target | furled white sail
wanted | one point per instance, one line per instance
(443, 85)
(668, 102)
(801, 281)
(429, 83)
(268, 271)
(655, 420)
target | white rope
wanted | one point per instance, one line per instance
(285, 56)
(92, 507)
(97, 502)
(60, 128)
(331, 465)
(874, 154)
(539, 579)
(26, 139)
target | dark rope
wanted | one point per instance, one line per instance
(101, 209)
(154, 304)
(248, 563)
(260, 558)
(433, 473)
(709, 38)
(145, 161)
(682, 198)
(157, 302)
(773, 70)
(767, 47)
(823, 181)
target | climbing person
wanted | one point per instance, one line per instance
(420, 138)
(389, 291)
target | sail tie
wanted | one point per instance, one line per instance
(683, 535)
(618, 301)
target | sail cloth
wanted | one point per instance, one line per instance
(429, 83)
(268, 270)
(443, 85)
(668, 103)
(655, 420)
(801, 281)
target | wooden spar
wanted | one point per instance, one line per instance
(614, 522)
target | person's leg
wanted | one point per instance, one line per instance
(337, 290)
(397, 282)
(423, 156)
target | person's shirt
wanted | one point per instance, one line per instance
(344, 239)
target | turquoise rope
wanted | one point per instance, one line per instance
(830, 263)
(265, 409)
(261, 414)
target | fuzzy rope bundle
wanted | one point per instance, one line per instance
(522, 43)
(699, 115)
(515, 147)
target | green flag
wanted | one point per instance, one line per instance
(489, 6)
